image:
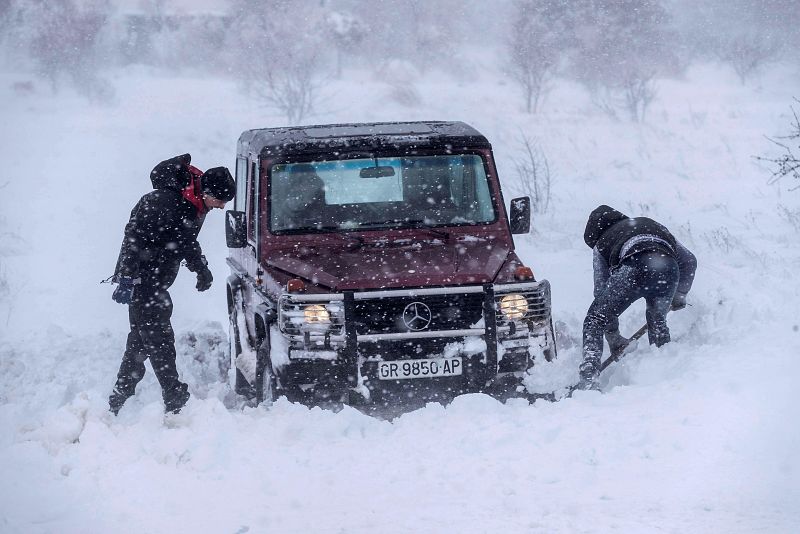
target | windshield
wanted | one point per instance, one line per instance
(373, 193)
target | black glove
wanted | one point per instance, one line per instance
(204, 278)
(678, 302)
(124, 291)
(616, 341)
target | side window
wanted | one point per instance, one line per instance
(251, 203)
(241, 185)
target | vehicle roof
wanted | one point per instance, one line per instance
(268, 142)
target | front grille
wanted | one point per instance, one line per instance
(447, 312)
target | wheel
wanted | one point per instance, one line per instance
(266, 384)
(550, 353)
(240, 385)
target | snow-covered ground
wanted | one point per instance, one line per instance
(701, 435)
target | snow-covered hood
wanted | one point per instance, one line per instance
(395, 263)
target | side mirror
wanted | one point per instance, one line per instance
(236, 229)
(520, 218)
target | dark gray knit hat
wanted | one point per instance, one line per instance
(601, 219)
(218, 183)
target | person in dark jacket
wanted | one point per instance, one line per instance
(633, 258)
(161, 233)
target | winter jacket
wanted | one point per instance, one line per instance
(615, 237)
(162, 230)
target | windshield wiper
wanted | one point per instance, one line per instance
(356, 242)
(418, 224)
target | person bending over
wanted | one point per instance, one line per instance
(633, 258)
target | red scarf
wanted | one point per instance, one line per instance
(193, 193)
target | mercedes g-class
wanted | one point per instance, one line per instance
(374, 263)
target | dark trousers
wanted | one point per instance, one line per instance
(151, 336)
(649, 275)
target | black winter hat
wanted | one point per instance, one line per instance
(218, 183)
(172, 173)
(600, 220)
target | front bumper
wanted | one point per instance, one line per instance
(363, 331)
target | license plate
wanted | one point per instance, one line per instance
(402, 369)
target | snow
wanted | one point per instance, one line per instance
(700, 435)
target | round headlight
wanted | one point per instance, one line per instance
(316, 313)
(514, 306)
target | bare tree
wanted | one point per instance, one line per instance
(63, 42)
(10, 242)
(620, 47)
(748, 52)
(347, 32)
(281, 46)
(292, 88)
(639, 90)
(788, 163)
(534, 47)
(533, 172)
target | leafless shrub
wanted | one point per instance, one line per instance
(723, 240)
(10, 244)
(347, 32)
(790, 215)
(292, 88)
(747, 53)
(620, 48)
(632, 92)
(639, 91)
(533, 172)
(605, 99)
(63, 39)
(534, 47)
(280, 54)
(788, 163)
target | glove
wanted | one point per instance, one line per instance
(616, 341)
(678, 302)
(124, 290)
(204, 278)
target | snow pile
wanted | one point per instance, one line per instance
(700, 435)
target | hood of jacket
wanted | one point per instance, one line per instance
(172, 173)
(600, 220)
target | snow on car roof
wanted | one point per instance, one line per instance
(298, 139)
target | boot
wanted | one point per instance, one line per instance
(590, 371)
(178, 400)
(116, 400)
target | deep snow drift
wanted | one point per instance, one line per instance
(699, 436)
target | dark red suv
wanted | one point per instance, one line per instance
(374, 263)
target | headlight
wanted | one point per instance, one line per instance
(514, 306)
(316, 313)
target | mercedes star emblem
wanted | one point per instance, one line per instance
(417, 316)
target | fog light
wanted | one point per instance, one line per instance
(514, 306)
(316, 313)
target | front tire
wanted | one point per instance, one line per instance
(266, 383)
(550, 353)
(240, 385)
